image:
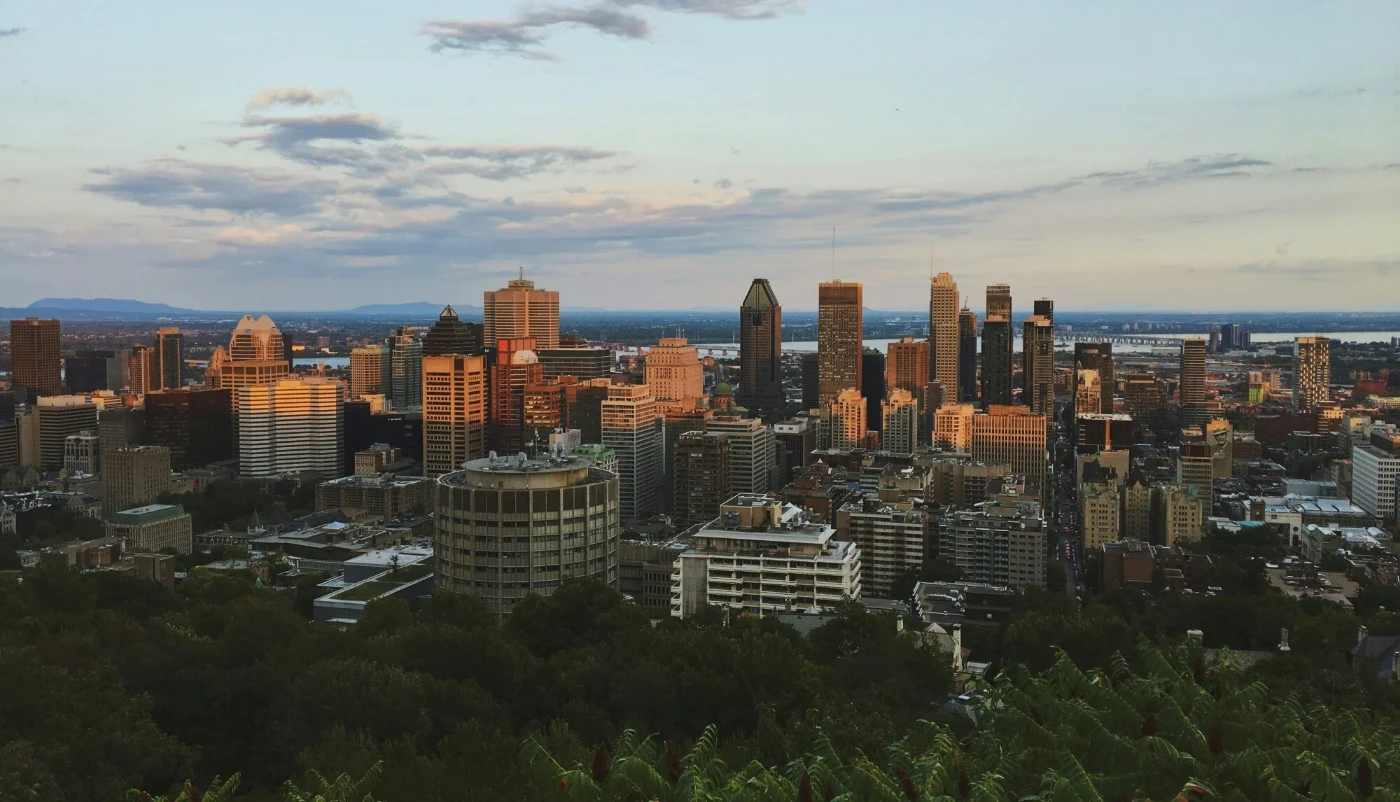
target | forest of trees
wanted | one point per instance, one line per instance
(112, 684)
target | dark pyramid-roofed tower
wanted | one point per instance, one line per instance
(449, 335)
(760, 349)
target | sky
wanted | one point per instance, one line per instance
(659, 154)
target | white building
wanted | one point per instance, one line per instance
(1373, 472)
(751, 453)
(632, 428)
(761, 557)
(292, 426)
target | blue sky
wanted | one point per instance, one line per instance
(661, 153)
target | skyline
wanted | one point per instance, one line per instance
(1152, 158)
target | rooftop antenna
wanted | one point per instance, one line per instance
(522, 271)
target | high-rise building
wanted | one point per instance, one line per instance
(999, 300)
(34, 357)
(752, 459)
(1312, 372)
(133, 476)
(839, 344)
(545, 410)
(256, 355)
(846, 419)
(1103, 431)
(585, 406)
(56, 417)
(1195, 472)
(900, 413)
(88, 371)
(1099, 513)
(1015, 436)
(1192, 389)
(578, 361)
(121, 426)
(810, 364)
(673, 370)
(1088, 392)
(516, 368)
(1045, 308)
(1374, 468)
(701, 463)
(455, 411)
(1097, 357)
(907, 364)
(293, 426)
(153, 528)
(195, 425)
(996, 361)
(369, 371)
(520, 310)
(1182, 514)
(1144, 394)
(1137, 509)
(450, 335)
(1038, 363)
(405, 369)
(676, 420)
(891, 539)
(967, 356)
(953, 427)
(999, 542)
(563, 515)
(170, 359)
(944, 333)
(81, 453)
(632, 427)
(144, 371)
(872, 377)
(799, 439)
(760, 349)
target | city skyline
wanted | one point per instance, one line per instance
(428, 151)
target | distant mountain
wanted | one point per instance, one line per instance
(109, 305)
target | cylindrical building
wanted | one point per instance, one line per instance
(510, 526)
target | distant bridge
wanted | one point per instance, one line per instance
(1118, 339)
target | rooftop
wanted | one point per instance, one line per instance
(149, 514)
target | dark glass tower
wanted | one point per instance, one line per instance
(872, 386)
(996, 360)
(449, 335)
(170, 359)
(967, 356)
(760, 349)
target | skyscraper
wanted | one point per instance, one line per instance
(900, 432)
(516, 368)
(170, 359)
(144, 373)
(906, 365)
(944, 333)
(520, 310)
(293, 426)
(256, 355)
(673, 370)
(1192, 389)
(1046, 309)
(751, 452)
(999, 300)
(1097, 357)
(760, 349)
(846, 418)
(967, 356)
(369, 371)
(839, 331)
(195, 425)
(405, 369)
(952, 427)
(34, 356)
(631, 427)
(134, 476)
(1038, 364)
(996, 361)
(872, 377)
(702, 481)
(1312, 372)
(455, 410)
(449, 335)
(89, 370)
(810, 366)
(1015, 436)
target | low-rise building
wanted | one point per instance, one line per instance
(401, 572)
(154, 527)
(375, 495)
(644, 573)
(997, 542)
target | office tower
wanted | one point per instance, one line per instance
(839, 347)
(810, 364)
(967, 356)
(1096, 357)
(520, 310)
(1038, 364)
(996, 361)
(9, 443)
(1137, 509)
(677, 420)
(872, 377)
(1099, 513)
(585, 405)
(999, 542)
(702, 477)
(632, 428)
(34, 357)
(455, 411)
(578, 361)
(56, 417)
(761, 349)
(952, 428)
(369, 371)
(405, 369)
(999, 300)
(449, 335)
(291, 427)
(545, 410)
(1182, 515)
(195, 425)
(1192, 389)
(87, 371)
(1015, 436)
(891, 540)
(516, 368)
(900, 413)
(1088, 392)
(944, 333)
(1144, 394)
(365, 425)
(846, 420)
(121, 426)
(761, 557)
(1045, 308)
(907, 364)
(1229, 336)
(563, 515)
(1312, 372)
(752, 452)
(256, 355)
(133, 476)
(799, 439)
(1374, 468)
(153, 528)
(1195, 472)
(1104, 431)
(673, 370)
(81, 453)
(1213, 340)
(170, 359)
(144, 372)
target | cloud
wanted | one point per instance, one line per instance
(7, 32)
(296, 96)
(1323, 270)
(174, 183)
(300, 138)
(733, 9)
(723, 183)
(1283, 247)
(523, 35)
(1226, 165)
(501, 163)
